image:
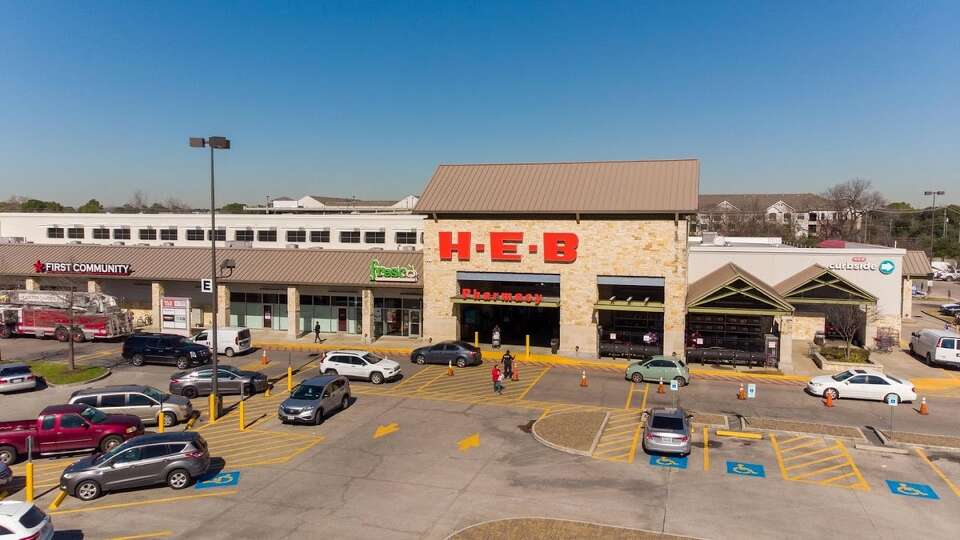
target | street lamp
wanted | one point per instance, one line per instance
(215, 143)
(933, 216)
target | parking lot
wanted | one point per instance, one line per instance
(431, 453)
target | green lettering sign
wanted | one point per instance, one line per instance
(378, 272)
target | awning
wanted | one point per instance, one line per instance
(732, 290)
(623, 305)
(508, 277)
(543, 303)
(819, 285)
(634, 281)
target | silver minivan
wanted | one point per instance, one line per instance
(311, 400)
(139, 400)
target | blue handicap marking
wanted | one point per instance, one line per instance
(669, 461)
(223, 479)
(745, 469)
(909, 489)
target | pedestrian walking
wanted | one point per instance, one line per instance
(497, 377)
(316, 332)
(496, 336)
(507, 364)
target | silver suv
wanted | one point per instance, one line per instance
(312, 399)
(175, 459)
(138, 400)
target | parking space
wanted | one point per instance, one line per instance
(620, 436)
(817, 460)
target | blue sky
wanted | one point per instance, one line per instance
(366, 98)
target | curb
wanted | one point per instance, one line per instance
(596, 438)
(881, 449)
(568, 450)
(81, 383)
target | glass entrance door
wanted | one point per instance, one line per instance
(414, 321)
(341, 319)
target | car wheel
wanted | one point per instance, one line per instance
(421, 359)
(137, 360)
(183, 362)
(229, 352)
(78, 336)
(318, 418)
(929, 359)
(110, 442)
(911, 349)
(189, 392)
(637, 377)
(461, 362)
(680, 381)
(61, 334)
(344, 403)
(832, 392)
(87, 490)
(376, 377)
(331, 372)
(169, 419)
(887, 397)
(178, 479)
(8, 455)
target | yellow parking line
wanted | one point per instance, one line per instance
(633, 446)
(853, 465)
(939, 473)
(158, 534)
(706, 449)
(441, 374)
(777, 454)
(799, 446)
(274, 461)
(814, 462)
(543, 414)
(629, 396)
(838, 477)
(794, 439)
(643, 404)
(811, 453)
(620, 439)
(818, 471)
(406, 380)
(619, 429)
(143, 503)
(534, 383)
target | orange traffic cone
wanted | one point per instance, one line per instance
(263, 357)
(515, 372)
(829, 401)
(449, 369)
(660, 389)
(923, 407)
(742, 392)
(583, 378)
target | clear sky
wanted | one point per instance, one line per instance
(97, 99)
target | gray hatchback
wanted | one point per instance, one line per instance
(312, 399)
(175, 459)
(667, 431)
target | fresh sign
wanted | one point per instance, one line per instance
(100, 269)
(378, 272)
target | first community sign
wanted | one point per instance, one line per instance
(99, 269)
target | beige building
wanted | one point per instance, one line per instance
(575, 255)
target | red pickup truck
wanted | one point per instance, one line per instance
(67, 428)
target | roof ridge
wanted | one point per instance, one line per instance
(567, 162)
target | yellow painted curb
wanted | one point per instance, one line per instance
(739, 434)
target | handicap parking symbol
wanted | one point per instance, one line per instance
(909, 489)
(669, 461)
(745, 469)
(223, 479)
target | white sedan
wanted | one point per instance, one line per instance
(862, 384)
(360, 365)
(24, 520)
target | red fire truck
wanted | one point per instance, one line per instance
(53, 313)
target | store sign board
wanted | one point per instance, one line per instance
(885, 267)
(99, 269)
(406, 274)
(508, 246)
(175, 314)
(495, 296)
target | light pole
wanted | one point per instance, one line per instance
(215, 143)
(933, 216)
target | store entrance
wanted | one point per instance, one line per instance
(515, 322)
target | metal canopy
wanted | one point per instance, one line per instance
(634, 281)
(508, 277)
(623, 305)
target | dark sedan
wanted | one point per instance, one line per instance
(459, 353)
(199, 382)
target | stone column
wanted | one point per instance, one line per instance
(156, 293)
(870, 328)
(906, 305)
(223, 305)
(94, 286)
(31, 284)
(786, 344)
(366, 315)
(293, 312)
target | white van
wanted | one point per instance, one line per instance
(936, 346)
(231, 340)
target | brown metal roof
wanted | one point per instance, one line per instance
(274, 266)
(800, 278)
(726, 274)
(605, 187)
(916, 264)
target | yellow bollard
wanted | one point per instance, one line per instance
(269, 388)
(476, 339)
(528, 347)
(29, 488)
(212, 414)
(243, 423)
(56, 502)
(289, 378)
(160, 422)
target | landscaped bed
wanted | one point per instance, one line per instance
(554, 529)
(60, 373)
(838, 354)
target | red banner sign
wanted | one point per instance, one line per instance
(558, 247)
(493, 296)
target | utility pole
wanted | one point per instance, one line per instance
(933, 216)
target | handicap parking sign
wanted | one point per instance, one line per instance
(674, 462)
(745, 469)
(909, 489)
(674, 385)
(223, 479)
(751, 391)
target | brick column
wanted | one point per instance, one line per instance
(786, 344)
(156, 293)
(293, 313)
(31, 284)
(94, 286)
(366, 315)
(223, 305)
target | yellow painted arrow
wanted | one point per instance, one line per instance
(470, 442)
(383, 431)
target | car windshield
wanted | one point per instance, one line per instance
(94, 416)
(155, 394)
(183, 341)
(667, 422)
(372, 358)
(842, 376)
(306, 392)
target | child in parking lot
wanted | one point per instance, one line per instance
(497, 377)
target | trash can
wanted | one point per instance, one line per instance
(819, 338)
(554, 345)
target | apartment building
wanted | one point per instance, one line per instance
(807, 212)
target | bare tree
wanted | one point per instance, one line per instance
(176, 205)
(851, 202)
(846, 321)
(138, 201)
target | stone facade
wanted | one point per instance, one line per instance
(622, 247)
(806, 325)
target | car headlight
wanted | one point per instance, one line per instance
(193, 354)
(308, 410)
(67, 476)
(131, 429)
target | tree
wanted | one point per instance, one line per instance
(846, 321)
(138, 201)
(36, 205)
(174, 204)
(232, 208)
(92, 206)
(851, 202)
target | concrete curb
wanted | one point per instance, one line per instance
(559, 448)
(81, 383)
(881, 449)
(745, 426)
(548, 518)
(596, 438)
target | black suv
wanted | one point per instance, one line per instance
(151, 348)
